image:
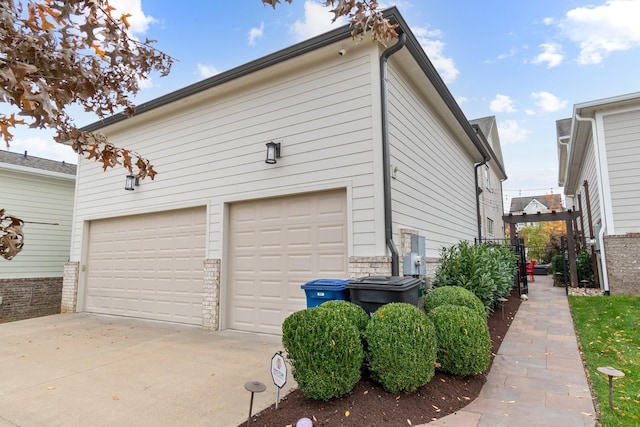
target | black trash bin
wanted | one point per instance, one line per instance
(373, 292)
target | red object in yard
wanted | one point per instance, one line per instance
(530, 267)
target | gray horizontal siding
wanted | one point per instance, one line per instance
(434, 189)
(622, 134)
(45, 199)
(214, 149)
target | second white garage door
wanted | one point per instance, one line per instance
(277, 245)
(148, 266)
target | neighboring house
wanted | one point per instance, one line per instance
(40, 192)
(530, 205)
(373, 149)
(599, 154)
(490, 178)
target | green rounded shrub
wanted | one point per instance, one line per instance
(401, 347)
(455, 295)
(325, 350)
(464, 343)
(352, 312)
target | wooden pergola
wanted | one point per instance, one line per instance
(567, 216)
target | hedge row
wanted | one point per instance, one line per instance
(488, 271)
(400, 346)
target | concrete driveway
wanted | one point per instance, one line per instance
(89, 370)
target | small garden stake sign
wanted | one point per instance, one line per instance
(278, 373)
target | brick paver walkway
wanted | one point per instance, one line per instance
(537, 378)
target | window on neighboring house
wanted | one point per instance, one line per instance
(489, 226)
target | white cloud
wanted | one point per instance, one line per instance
(603, 29)
(511, 52)
(548, 102)
(255, 33)
(317, 20)
(551, 55)
(462, 100)
(548, 21)
(207, 70)
(502, 104)
(511, 132)
(435, 51)
(145, 83)
(139, 22)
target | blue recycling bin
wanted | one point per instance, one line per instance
(321, 290)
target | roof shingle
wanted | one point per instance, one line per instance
(28, 161)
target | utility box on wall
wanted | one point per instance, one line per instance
(415, 262)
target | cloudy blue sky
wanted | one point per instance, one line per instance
(526, 62)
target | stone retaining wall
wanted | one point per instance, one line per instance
(27, 298)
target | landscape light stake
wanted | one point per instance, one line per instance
(502, 300)
(253, 387)
(611, 373)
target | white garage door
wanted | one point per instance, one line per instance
(277, 245)
(148, 266)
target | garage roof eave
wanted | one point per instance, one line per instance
(229, 75)
(301, 48)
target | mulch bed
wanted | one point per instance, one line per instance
(369, 405)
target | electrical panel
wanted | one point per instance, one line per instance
(415, 262)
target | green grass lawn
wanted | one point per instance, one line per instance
(608, 330)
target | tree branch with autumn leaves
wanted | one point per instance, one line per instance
(55, 53)
(365, 17)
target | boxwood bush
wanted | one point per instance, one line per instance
(352, 312)
(464, 343)
(486, 270)
(455, 295)
(325, 350)
(401, 347)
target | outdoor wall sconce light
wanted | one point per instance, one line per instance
(273, 152)
(131, 182)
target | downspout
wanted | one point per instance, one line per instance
(386, 154)
(485, 159)
(566, 164)
(478, 193)
(603, 213)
